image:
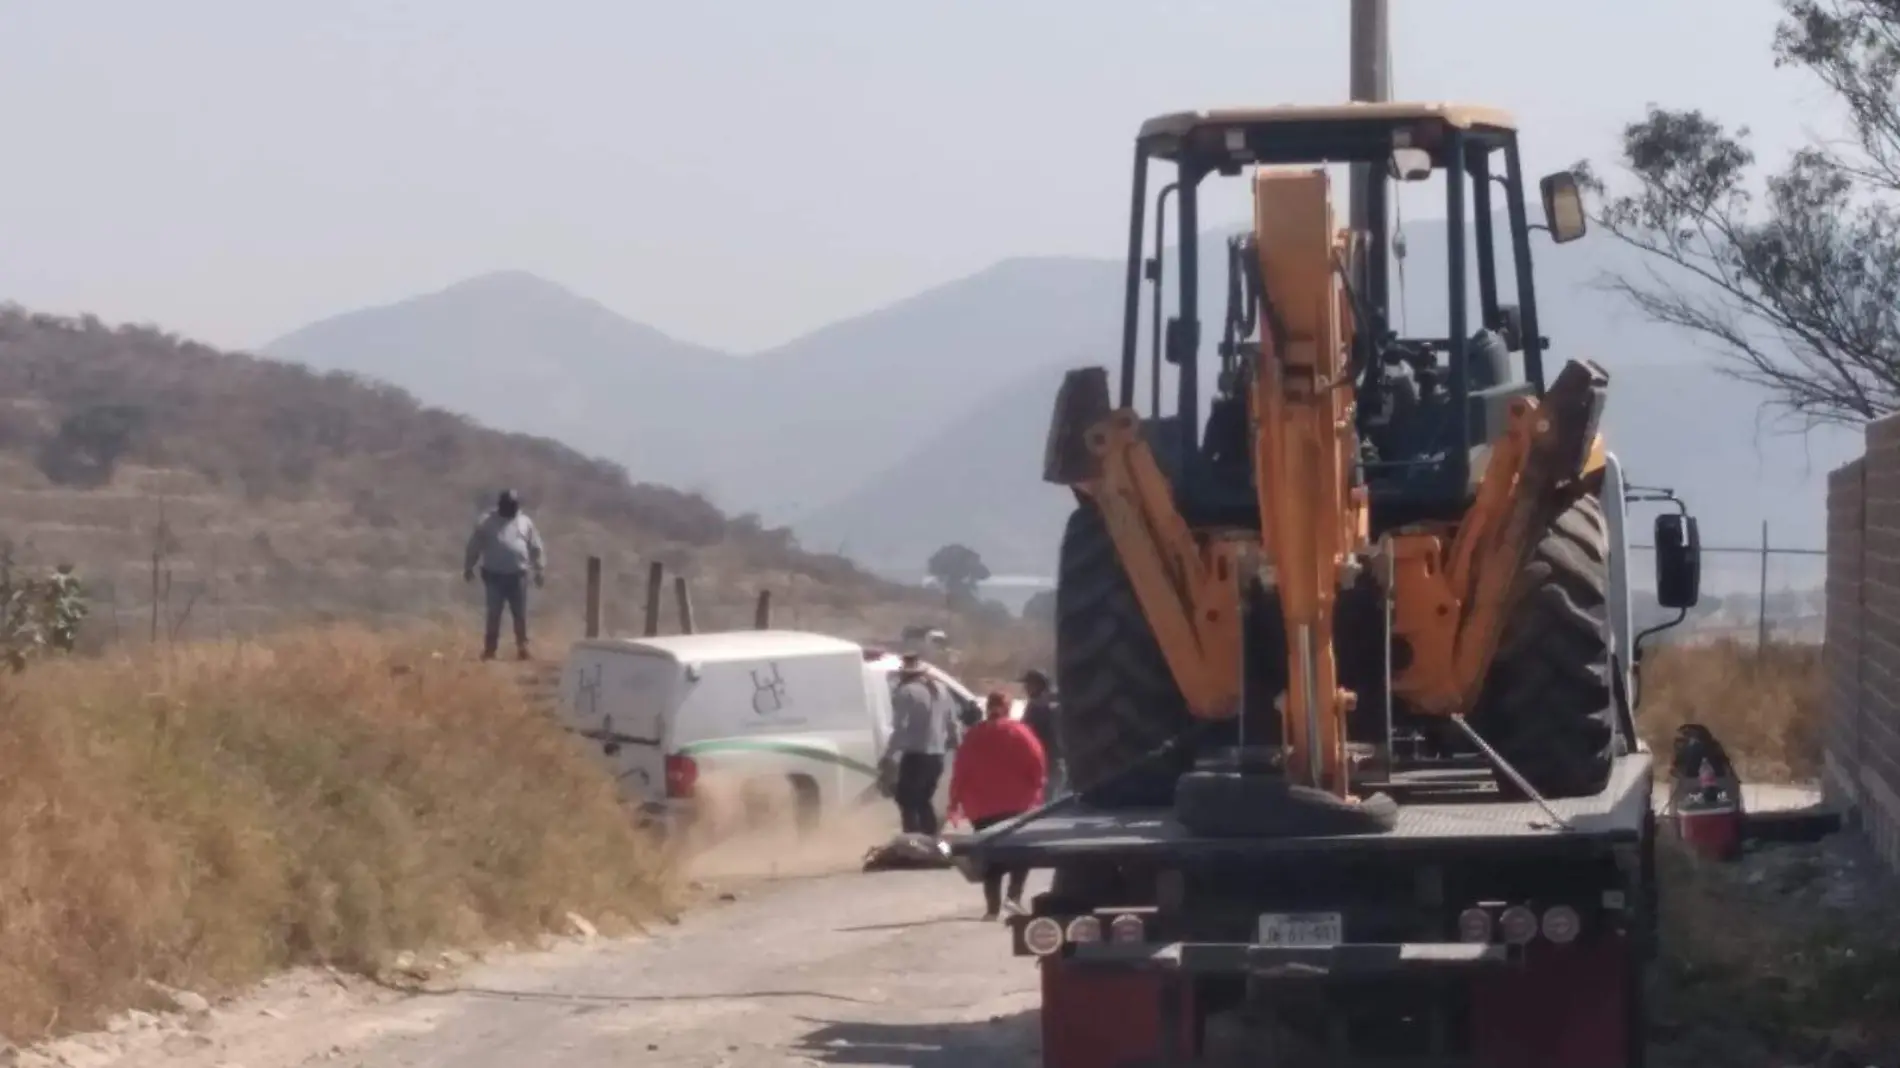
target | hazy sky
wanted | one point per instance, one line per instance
(730, 172)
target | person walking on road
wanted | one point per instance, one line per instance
(507, 548)
(922, 730)
(1039, 713)
(1000, 774)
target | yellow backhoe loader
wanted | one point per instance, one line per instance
(1343, 655)
(1239, 565)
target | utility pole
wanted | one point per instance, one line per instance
(1370, 83)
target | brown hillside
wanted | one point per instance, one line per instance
(273, 494)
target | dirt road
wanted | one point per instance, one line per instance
(812, 969)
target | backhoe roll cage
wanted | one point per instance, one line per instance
(1200, 145)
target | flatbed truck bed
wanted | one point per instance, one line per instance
(1438, 811)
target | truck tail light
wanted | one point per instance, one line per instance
(1127, 929)
(1518, 924)
(1084, 930)
(1474, 925)
(1042, 936)
(682, 775)
(1562, 924)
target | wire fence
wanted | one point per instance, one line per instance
(1761, 592)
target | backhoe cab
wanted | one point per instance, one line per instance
(1367, 542)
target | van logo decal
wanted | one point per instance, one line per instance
(768, 690)
(587, 692)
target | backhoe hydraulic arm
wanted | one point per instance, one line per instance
(1187, 586)
(1312, 520)
(1451, 602)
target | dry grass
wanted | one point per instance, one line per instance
(204, 815)
(1765, 706)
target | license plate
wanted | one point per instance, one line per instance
(1301, 930)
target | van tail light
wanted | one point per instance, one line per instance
(682, 774)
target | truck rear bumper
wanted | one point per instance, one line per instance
(1350, 961)
(1414, 1005)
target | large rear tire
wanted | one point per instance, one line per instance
(1547, 707)
(1120, 702)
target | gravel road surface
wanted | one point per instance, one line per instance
(806, 968)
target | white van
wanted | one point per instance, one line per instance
(808, 710)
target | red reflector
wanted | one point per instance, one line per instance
(682, 774)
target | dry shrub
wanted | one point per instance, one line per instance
(1766, 706)
(204, 815)
(1749, 965)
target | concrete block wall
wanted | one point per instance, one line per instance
(1862, 739)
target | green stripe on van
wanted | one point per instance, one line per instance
(746, 745)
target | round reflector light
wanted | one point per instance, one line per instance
(1126, 928)
(1562, 924)
(1042, 936)
(1519, 925)
(1474, 925)
(1085, 929)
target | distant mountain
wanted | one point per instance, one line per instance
(853, 397)
(978, 481)
(523, 354)
(892, 433)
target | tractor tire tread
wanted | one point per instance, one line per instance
(1548, 707)
(1120, 701)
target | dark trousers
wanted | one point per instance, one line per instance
(917, 776)
(993, 878)
(510, 591)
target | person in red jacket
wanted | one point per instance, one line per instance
(999, 773)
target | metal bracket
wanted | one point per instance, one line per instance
(1504, 768)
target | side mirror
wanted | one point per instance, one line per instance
(1678, 562)
(1563, 206)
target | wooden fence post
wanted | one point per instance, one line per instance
(685, 598)
(762, 615)
(656, 574)
(593, 597)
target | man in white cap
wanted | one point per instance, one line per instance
(922, 731)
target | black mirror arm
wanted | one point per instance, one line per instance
(1641, 635)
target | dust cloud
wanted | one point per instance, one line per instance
(750, 831)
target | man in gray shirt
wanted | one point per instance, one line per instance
(923, 729)
(507, 548)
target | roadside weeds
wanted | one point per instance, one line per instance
(202, 816)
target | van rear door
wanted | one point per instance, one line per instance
(878, 680)
(622, 699)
